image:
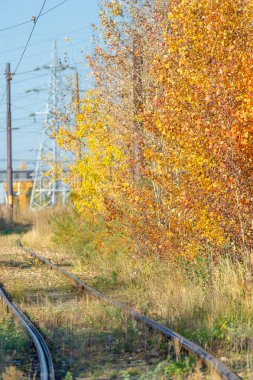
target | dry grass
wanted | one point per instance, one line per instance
(12, 373)
(13, 347)
(211, 304)
(40, 235)
(215, 311)
(87, 338)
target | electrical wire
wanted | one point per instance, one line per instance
(1, 101)
(59, 49)
(28, 40)
(30, 36)
(51, 9)
(26, 45)
(27, 96)
(30, 78)
(67, 66)
(28, 21)
(20, 108)
(18, 5)
(48, 39)
(26, 72)
(16, 25)
(20, 118)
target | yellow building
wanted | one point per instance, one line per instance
(22, 186)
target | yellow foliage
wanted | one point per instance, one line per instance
(94, 178)
(173, 99)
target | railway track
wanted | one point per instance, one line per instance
(181, 344)
(43, 353)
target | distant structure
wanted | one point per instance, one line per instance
(49, 190)
(22, 185)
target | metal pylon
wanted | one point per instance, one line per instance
(48, 189)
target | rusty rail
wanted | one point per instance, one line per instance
(214, 365)
(44, 356)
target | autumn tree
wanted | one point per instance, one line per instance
(167, 130)
(205, 117)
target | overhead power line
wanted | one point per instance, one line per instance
(32, 19)
(17, 5)
(46, 51)
(30, 78)
(16, 25)
(67, 33)
(30, 36)
(1, 101)
(56, 6)
(26, 45)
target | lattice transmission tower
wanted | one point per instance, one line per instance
(48, 188)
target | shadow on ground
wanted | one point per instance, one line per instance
(13, 228)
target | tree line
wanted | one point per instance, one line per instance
(165, 133)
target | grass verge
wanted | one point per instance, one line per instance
(208, 302)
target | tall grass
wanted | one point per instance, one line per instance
(39, 236)
(209, 302)
(206, 301)
(13, 347)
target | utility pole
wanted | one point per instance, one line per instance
(9, 144)
(77, 111)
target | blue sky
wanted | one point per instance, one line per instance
(72, 19)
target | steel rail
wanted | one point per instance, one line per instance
(44, 355)
(207, 359)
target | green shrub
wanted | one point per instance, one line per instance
(170, 368)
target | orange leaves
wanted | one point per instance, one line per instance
(115, 6)
(194, 125)
(209, 82)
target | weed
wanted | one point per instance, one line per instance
(13, 348)
(12, 338)
(12, 373)
(209, 302)
(172, 369)
(68, 376)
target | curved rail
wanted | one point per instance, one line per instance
(45, 359)
(207, 359)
